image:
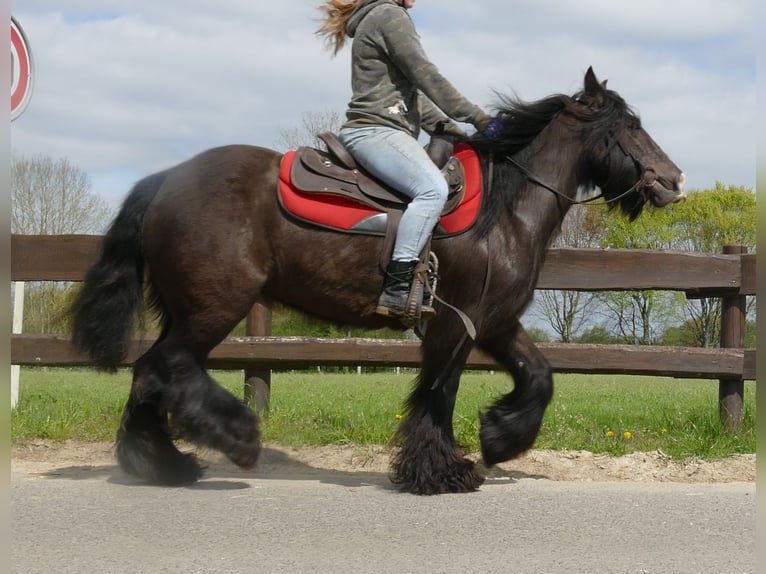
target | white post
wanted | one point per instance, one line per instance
(18, 321)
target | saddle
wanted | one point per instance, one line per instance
(328, 189)
(336, 172)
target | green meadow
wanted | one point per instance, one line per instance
(602, 414)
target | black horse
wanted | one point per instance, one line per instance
(209, 239)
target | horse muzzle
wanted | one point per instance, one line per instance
(660, 191)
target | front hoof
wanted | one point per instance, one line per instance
(460, 476)
(499, 443)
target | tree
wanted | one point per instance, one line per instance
(568, 311)
(538, 335)
(705, 222)
(51, 197)
(54, 197)
(708, 220)
(312, 123)
(633, 315)
(598, 334)
(712, 218)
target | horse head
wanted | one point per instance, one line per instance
(626, 163)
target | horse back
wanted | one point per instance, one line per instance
(220, 184)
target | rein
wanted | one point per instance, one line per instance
(537, 181)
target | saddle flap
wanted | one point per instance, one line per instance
(314, 166)
(314, 171)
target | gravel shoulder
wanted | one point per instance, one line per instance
(75, 458)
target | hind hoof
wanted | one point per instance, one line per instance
(187, 471)
(163, 467)
(245, 456)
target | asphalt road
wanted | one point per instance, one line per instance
(103, 522)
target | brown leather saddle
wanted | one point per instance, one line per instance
(334, 171)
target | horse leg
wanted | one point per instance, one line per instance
(144, 445)
(207, 414)
(511, 425)
(429, 459)
(172, 390)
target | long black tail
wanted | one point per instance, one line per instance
(105, 308)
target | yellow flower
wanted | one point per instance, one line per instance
(398, 417)
(609, 433)
(627, 435)
(664, 431)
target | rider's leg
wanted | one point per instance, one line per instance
(398, 159)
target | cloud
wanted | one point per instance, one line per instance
(123, 88)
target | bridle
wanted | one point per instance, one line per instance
(646, 180)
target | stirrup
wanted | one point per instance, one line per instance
(418, 307)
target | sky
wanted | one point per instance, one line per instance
(123, 88)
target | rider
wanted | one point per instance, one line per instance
(396, 91)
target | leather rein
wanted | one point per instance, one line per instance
(640, 184)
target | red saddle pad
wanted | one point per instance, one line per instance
(343, 214)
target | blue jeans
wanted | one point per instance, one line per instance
(397, 159)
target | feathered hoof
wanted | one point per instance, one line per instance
(162, 465)
(501, 439)
(245, 455)
(415, 477)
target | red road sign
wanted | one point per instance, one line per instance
(21, 70)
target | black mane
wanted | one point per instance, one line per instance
(523, 122)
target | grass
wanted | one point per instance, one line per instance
(602, 414)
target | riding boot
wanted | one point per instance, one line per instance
(395, 300)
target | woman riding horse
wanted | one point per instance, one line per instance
(209, 239)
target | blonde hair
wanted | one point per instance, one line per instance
(333, 28)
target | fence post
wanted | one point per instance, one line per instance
(258, 382)
(731, 391)
(18, 322)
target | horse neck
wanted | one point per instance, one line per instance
(553, 159)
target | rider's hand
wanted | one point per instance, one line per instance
(493, 130)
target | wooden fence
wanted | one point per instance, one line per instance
(730, 275)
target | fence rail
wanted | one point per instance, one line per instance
(730, 275)
(264, 352)
(68, 257)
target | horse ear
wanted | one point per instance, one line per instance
(595, 91)
(592, 85)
